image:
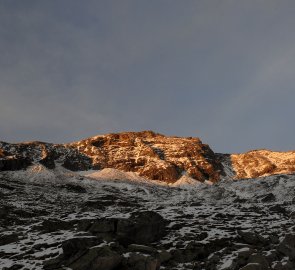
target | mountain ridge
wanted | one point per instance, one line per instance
(150, 155)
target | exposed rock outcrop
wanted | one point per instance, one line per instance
(260, 163)
(151, 155)
(19, 156)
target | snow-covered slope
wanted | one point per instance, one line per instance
(114, 174)
(220, 226)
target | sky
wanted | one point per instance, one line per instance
(221, 70)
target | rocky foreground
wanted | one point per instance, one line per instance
(67, 221)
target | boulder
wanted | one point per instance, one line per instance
(287, 246)
(243, 255)
(74, 245)
(103, 225)
(104, 228)
(164, 256)
(251, 238)
(97, 258)
(141, 228)
(79, 254)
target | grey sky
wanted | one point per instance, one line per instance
(220, 70)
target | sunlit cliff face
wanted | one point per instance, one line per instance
(148, 154)
(259, 163)
(152, 155)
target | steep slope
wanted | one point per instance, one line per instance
(151, 155)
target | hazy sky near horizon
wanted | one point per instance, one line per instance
(220, 70)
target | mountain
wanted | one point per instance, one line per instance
(145, 201)
(148, 154)
(56, 219)
(151, 155)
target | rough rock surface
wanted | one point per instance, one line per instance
(226, 226)
(21, 155)
(259, 163)
(52, 217)
(149, 154)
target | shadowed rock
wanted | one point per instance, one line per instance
(141, 228)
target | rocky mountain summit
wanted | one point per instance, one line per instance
(149, 154)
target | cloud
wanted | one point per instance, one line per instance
(225, 68)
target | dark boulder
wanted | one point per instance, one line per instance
(71, 246)
(103, 225)
(251, 238)
(79, 255)
(287, 246)
(141, 228)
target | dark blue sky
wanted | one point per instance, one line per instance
(223, 71)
